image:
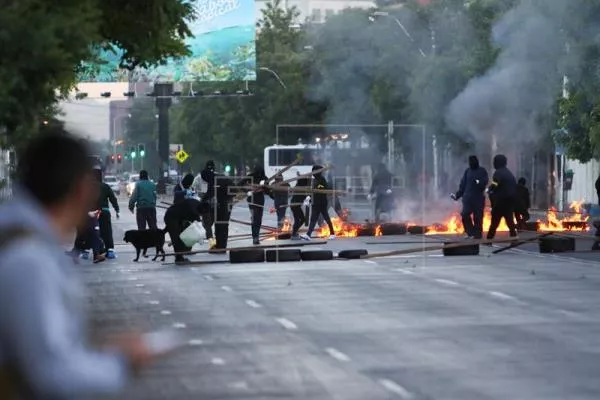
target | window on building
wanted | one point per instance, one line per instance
(329, 13)
(316, 15)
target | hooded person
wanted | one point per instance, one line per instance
(502, 192)
(207, 176)
(177, 218)
(381, 191)
(297, 201)
(104, 219)
(319, 204)
(280, 200)
(256, 199)
(522, 203)
(219, 198)
(472, 192)
(183, 190)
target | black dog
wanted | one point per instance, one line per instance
(143, 240)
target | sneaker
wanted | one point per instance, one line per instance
(110, 254)
(305, 237)
(98, 258)
(331, 237)
(84, 255)
(212, 243)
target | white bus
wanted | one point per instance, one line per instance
(277, 157)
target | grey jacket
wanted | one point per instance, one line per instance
(42, 316)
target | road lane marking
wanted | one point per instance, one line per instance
(179, 325)
(405, 271)
(196, 342)
(369, 261)
(287, 324)
(165, 312)
(396, 389)
(130, 279)
(227, 288)
(154, 302)
(501, 295)
(253, 304)
(217, 361)
(139, 285)
(447, 282)
(208, 277)
(338, 355)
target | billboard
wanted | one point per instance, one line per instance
(223, 49)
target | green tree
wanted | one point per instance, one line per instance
(45, 45)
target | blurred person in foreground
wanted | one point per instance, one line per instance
(44, 352)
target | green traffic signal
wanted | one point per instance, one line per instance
(133, 154)
(142, 153)
(228, 168)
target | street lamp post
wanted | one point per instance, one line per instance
(269, 70)
(116, 141)
(397, 21)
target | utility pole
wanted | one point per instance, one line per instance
(163, 93)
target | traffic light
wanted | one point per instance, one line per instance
(142, 150)
(119, 158)
(132, 152)
(112, 158)
(227, 169)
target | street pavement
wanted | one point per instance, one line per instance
(517, 325)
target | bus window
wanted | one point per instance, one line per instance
(279, 157)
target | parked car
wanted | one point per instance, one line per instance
(131, 183)
(113, 183)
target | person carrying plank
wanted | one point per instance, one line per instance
(319, 204)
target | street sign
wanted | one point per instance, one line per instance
(182, 156)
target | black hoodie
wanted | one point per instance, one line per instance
(255, 177)
(473, 183)
(504, 185)
(319, 183)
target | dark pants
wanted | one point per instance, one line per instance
(89, 237)
(316, 211)
(299, 219)
(146, 215)
(106, 229)
(472, 218)
(222, 226)
(280, 210)
(499, 211)
(256, 217)
(208, 220)
(521, 216)
(383, 204)
(174, 228)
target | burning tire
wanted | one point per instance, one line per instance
(247, 256)
(575, 225)
(283, 255)
(316, 255)
(556, 244)
(365, 231)
(531, 226)
(352, 254)
(393, 229)
(417, 230)
(283, 236)
(466, 250)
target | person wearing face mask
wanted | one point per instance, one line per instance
(472, 192)
(256, 199)
(502, 192)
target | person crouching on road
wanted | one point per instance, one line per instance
(502, 192)
(104, 219)
(177, 218)
(256, 200)
(522, 203)
(143, 199)
(183, 190)
(472, 192)
(300, 218)
(319, 203)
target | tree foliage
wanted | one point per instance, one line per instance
(44, 46)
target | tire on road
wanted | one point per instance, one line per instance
(316, 255)
(556, 244)
(283, 236)
(247, 256)
(417, 230)
(531, 226)
(283, 255)
(389, 229)
(466, 250)
(352, 254)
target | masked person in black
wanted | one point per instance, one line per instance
(183, 189)
(502, 192)
(522, 203)
(256, 199)
(297, 201)
(208, 218)
(381, 190)
(319, 205)
(218, 198)
(104, 219)
(280, 200)
(472, 192)
(177, 218)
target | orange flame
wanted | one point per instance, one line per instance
(342, 229)
(378, 231)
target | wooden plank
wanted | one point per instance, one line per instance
(264, 246)
(521, 242)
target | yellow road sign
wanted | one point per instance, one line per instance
(182, 156)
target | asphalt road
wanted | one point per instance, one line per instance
(517, 325)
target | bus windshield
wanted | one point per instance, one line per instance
(287, 156)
